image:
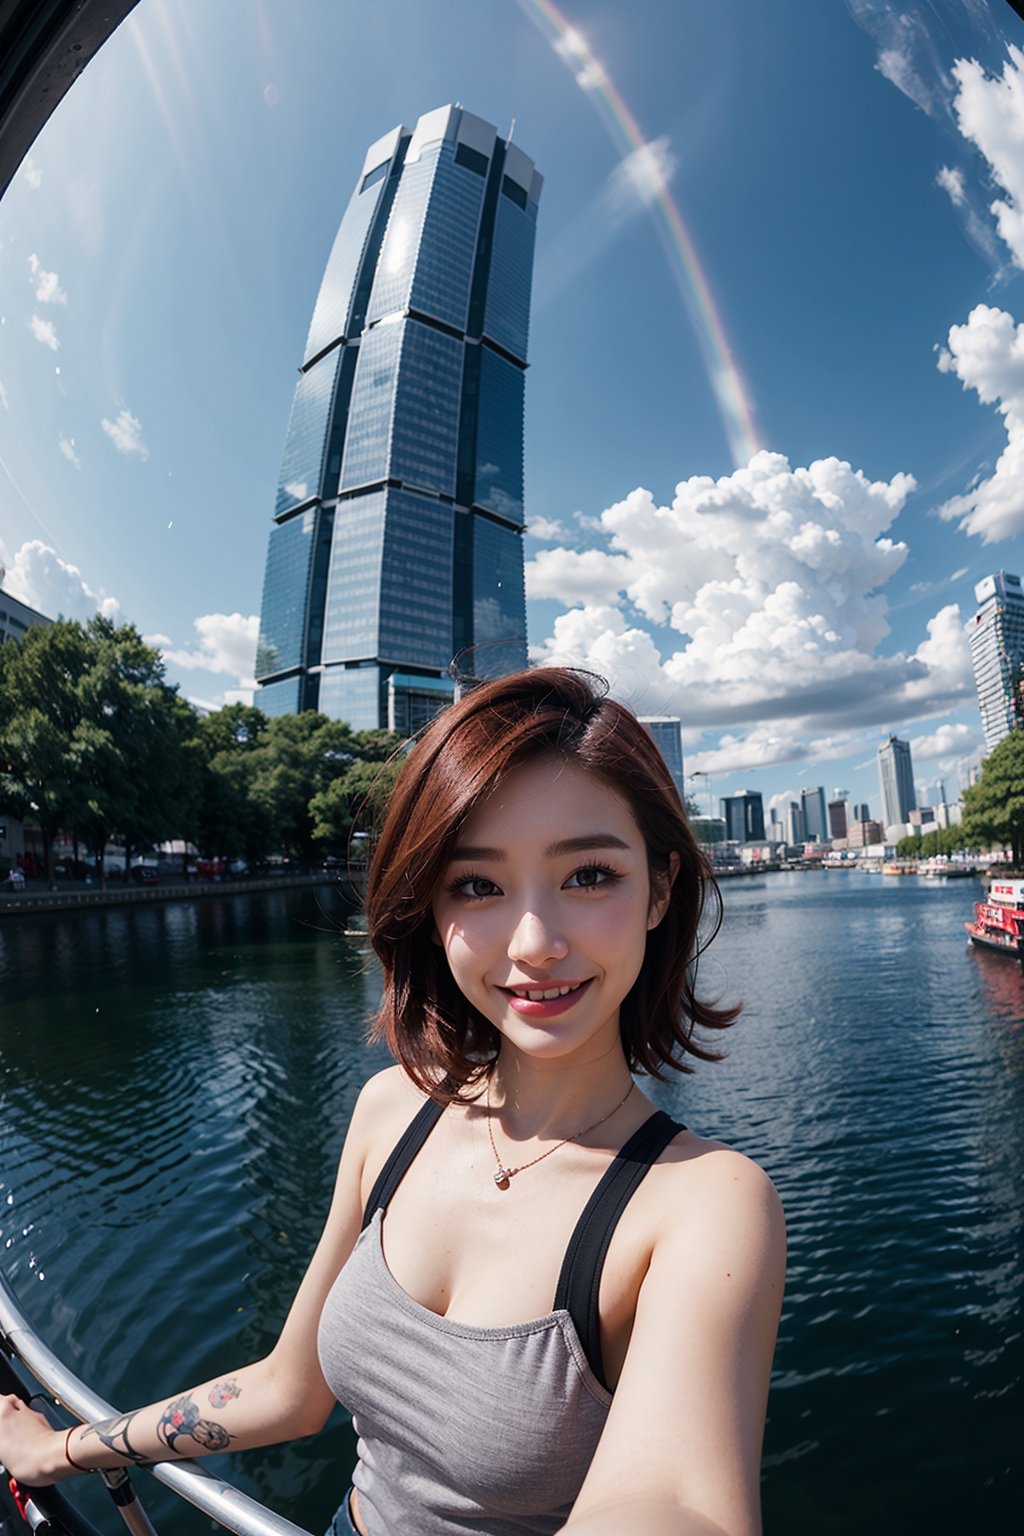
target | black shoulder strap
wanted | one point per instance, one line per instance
(397, 1165)
(580, 1279)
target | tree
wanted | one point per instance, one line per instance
(40, 711)
(994, 807)
(352, 802)
(230, 823)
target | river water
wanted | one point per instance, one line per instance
(176, 1081)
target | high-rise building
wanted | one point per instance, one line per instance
(397, 538)
(862, 811)
(15, 616)
(996, 636)
(796, 827)
(744, 816)
(896, 776)
(812, 803)
(667, 731)
(838, 824)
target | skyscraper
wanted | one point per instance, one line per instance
(743, 814)
(667, 731)
(397, 539)
(896, 776)
(996, 636)
(812, 803)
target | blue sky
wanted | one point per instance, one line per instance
(848, 176)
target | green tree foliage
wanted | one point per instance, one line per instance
(994, 807)
(943, 840)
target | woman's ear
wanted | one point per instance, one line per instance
(661, 892)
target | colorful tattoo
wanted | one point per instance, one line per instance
(181, 1418)
(113, 1433)
(222, 1392)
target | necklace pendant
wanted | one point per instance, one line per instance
(501, 1177)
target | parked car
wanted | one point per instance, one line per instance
(144, 874)
(16, 879)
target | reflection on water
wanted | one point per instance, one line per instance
(177, 1079)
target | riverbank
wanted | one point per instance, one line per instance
(38, 898)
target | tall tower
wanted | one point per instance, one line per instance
(896, 776)
(667, 734)
(397, 538)
(996, 635)
(812, 803)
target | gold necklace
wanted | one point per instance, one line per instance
(503, 1175)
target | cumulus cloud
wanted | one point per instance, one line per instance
(67, 448)
(952, 740)
(125, 432)
(226, 644)
(573, 48)
(38, 576)
(45, 332)
(32, 173)
(547, 529)
(987, 355)
(754, 601)
(990, 113)
(951, 180)
(47, 284)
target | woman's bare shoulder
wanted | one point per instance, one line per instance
(707, 1183)
(386, 1104)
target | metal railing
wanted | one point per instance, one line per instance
(231, 1508)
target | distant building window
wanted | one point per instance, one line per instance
(513, 190)
(377, 174)
(472, 159)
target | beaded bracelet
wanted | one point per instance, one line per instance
(67, 1453)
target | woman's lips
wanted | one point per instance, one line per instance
(542, 1006)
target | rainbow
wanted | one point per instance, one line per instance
(727, 383)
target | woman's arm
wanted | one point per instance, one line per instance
(280, 1397)
(680, 1454)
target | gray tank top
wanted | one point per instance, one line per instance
(467, 1431)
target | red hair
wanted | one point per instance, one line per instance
(442, 1041)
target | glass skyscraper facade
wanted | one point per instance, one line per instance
(397, 538)
(896, 777)
(996, 636)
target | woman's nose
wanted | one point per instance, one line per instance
(536, 940)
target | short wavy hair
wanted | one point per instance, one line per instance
(444, 1043)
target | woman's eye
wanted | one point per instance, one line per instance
(473, 887)
(590, 878)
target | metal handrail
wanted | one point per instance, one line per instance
(228, 1505)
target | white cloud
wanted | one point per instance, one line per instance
(4, 399)
(67, 448)
(32, 173)
(951, 180)
(38, 576)
(573, 48)
(987, 355)
(226, 645)
(44, 331)
(126, 433)
(763, 609)
(952, 740)
(990, 113)
(907, 54)
(48, 289)
(547, 529)
(642, 177)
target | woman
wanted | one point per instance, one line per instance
(548, 1306)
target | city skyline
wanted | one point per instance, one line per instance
(720, 188)
(398, 529)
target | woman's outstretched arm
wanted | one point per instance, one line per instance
(680, 1454)
(281, 1397)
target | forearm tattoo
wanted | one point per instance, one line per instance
(222, 1392)
(181, 1418)
(113, 1433)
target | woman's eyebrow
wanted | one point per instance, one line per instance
(558, 850)
(473, 851)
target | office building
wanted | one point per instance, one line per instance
(862, 811)
(896, 776)
(812, 803)
(667, 731)
(838, 822)
(743, 814)
(397, 538)
(996, 636)
(15, 616)
(796, 827)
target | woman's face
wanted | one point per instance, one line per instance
(544, 910)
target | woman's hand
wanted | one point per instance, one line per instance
(29, 1449)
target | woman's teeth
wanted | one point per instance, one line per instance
(545, 996)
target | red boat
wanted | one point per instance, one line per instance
(999, 921)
